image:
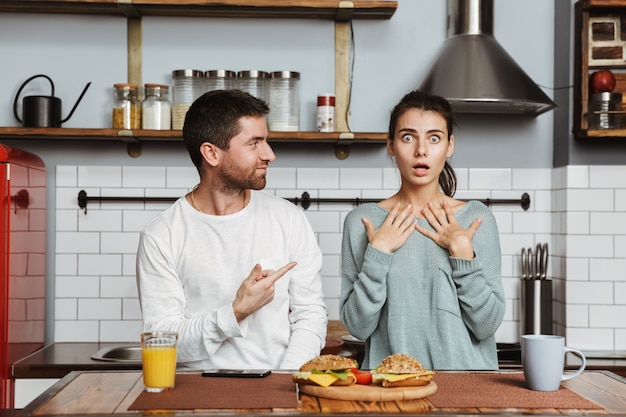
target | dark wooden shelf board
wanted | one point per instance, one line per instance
(79, 134)
(307, 9)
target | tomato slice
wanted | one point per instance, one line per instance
(362, 377)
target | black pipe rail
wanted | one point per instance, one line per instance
(305, 200)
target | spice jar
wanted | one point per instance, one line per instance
(156, 110)
(126, 107)
(186, 88)
(256, 83)
(284, 101)
(325, 113)
(219, 80)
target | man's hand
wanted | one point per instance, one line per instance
(257, 290)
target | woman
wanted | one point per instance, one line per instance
(435, 294)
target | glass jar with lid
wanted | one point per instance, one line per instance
(156, 110)
(186, 88)
(219, 80)
(257, 83)
(126, 107)
(284, 101)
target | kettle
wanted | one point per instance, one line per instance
(43, 111)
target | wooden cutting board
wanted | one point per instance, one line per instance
(358, 392)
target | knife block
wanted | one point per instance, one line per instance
(536, 306)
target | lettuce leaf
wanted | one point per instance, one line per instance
(339, 373)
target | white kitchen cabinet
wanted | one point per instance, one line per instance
(27, 390)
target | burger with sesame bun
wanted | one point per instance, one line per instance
(401, 370)
(327, 370)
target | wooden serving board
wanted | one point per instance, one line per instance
(359, 392)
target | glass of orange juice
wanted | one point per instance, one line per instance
(158, 357)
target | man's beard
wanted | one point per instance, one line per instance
(234, 179)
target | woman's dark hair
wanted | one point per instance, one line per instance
(214, 117)
(423, 101)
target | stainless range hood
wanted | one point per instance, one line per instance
(475, 73)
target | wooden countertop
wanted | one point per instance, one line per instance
(113, 393)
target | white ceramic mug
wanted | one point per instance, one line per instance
(543, 360)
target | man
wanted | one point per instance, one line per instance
(234, 270)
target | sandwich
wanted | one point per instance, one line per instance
(327, 370)
(401, 370)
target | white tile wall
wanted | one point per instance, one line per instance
(591, 238)
(579, 210)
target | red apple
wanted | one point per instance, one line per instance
(602, 81)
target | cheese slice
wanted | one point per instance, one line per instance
(325, 380)
(401, 377)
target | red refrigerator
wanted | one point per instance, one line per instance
(22, 261)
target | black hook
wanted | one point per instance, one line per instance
(21, 199)
(306, 200)
(82, 200)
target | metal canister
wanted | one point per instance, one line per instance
(605, 111)
(186, 88)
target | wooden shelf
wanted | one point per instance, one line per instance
(600, 134)
(340, 11)
(78, 134)
(308, 9)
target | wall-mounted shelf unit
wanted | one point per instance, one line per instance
(599, 43)
(339, 11)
